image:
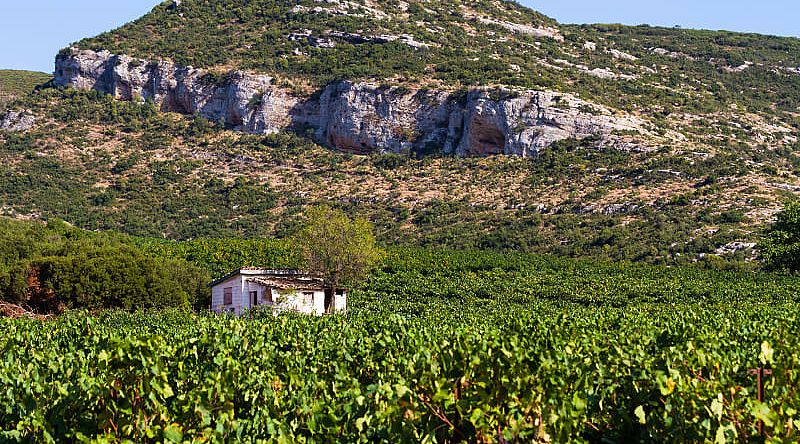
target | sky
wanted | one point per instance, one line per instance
(32, 31)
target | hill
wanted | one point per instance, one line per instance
(14, 83)
(328, 68)
(645, 143)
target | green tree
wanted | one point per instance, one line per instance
(340, 250)
(780, 249)
(51, 267)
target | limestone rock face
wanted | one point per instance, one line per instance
(14, 120)
(246, 102)
(353, 116)
(524, 123)
(364, 118)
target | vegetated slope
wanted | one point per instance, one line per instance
(699, 91)
(716, 158)
(105, 164)
(327, 40)
(14, 83)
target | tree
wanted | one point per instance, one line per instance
(340, 250)
(780, 249)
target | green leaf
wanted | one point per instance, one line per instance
(717, 406)
(762, 411)
(639, 412)
(723, 433)
(173, 433)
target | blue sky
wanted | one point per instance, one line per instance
(32, 31)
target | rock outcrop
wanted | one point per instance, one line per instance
(352, 116)
(246, 102)
(15, 120)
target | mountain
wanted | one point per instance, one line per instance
(670, 79)
(15, 83)
(452, 43)
(665, 145)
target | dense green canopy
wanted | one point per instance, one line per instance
(54, 267)
(339, 249)
(781, 247)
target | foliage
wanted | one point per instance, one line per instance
(780, 249)
(527, 369)
(438, 346)
(219, 256)
(55, 267)
(437, 274)
(341, 250)
(422, 276)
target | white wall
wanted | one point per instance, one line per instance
(340, 303)
(291, 300)
(218, 295)
(252, 286)
(282, 300)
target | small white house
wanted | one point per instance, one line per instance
(282, 290)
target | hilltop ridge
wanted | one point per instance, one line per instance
(443, 44)
(693, 88)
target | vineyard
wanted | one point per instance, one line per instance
(437, 347)
(629, 278)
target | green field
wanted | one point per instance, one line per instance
(437, 347)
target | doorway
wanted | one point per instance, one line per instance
(329, 306)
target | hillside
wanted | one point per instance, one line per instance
(15, 84)
(642, 143)
(328, 68)
(105, 164)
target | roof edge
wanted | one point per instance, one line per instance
(250, 271)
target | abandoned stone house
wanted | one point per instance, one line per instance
(280, 290)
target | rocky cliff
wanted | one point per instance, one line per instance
(353, 116)
(245, 102)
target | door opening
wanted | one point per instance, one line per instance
(329, 307)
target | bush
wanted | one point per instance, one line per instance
(55, 267)
(780, 249)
